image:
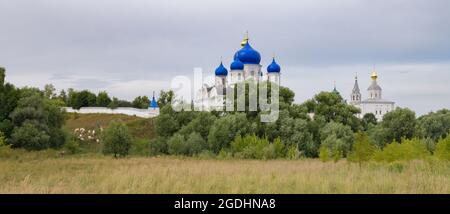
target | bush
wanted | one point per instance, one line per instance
(140, 147)
(116, 139)
(30, 137)
(443, 149)
(158, 146)
(195, 144)
(338, 138)
(177, 145)
(331, 148)
(292, 153)
(253, 147)
(406, 151)
(73, 146)
(363, 149)
(5, 149)
(225, 129)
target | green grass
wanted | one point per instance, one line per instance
(50, 172)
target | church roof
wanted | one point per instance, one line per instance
(374, 86)
(379, 101)
(356, 87)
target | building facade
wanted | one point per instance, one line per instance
(375, 103)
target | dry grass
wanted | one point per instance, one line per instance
(99, 174)
(139, 127)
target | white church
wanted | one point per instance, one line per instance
(374, 104)
(245, 67)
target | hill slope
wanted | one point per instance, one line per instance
(139, 127)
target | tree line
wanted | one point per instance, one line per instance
(324, 126)
(86, 98)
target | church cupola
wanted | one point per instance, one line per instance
(153, 104)
(273, 72)
(374, 89)
(221, 75)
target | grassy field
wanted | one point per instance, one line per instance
(46, 172)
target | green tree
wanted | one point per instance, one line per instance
(165, 98)
(409, 149)
(166, 125)
(141, 102)
(369, 119)
(2, 76)
(200, 124)
(49, 91)
(226, 128)
(116, 139)
(434, 125)
(296, 132)
(443, 149)
(114, 103)
(158, 146)
(337, 137)
(103, 99)
(30, 136)
(398, 124)
(177, 145)
(40, 116)
(195, 144)
(363, 149)
(332, 107)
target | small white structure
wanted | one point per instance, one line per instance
(151, 111)
(374, 104)
(144, 113)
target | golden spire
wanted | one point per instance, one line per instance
(244, 42)
(374, 73)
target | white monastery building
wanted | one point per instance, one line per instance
(245, 67)
(374, 104)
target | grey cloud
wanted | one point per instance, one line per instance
(155, 40)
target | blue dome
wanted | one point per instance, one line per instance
(248, 55)
(221, 70)
(153, 104)
(273, 67)
(237, 65)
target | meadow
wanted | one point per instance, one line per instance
(50, 172)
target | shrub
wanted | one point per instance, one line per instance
(177, 145)
(292, 153)
(5, 149)
(195, 144)
(30, 137)
(443, 149)
(332, 148)
(406, 151)
(72, 146)
(116, 139)
(363, 149)
(158, 146)
(140, 147)
(225, 129)
(253, 147)
(338, 138)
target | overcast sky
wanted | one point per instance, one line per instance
(134, 47)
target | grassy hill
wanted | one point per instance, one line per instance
(139, 127)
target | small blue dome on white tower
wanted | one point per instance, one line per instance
(221, 70)
(237, 65)
(273, 67)
(153, 104)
